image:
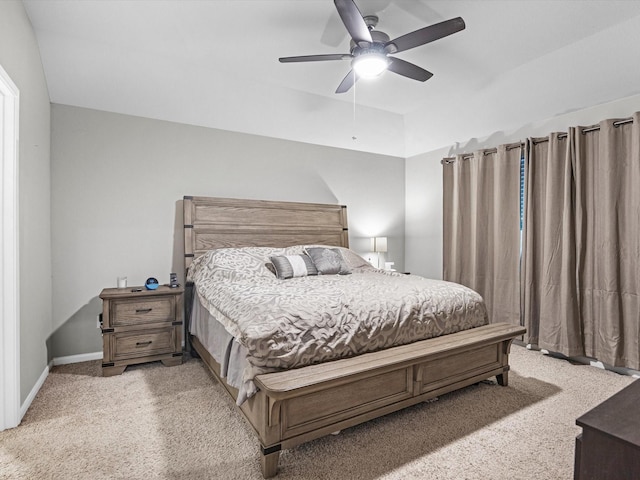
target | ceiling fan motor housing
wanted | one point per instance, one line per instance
(378, 45)
(371, 21)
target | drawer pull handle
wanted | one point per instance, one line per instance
(143, 344)
(143, 310)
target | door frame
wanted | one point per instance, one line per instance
(9, 255)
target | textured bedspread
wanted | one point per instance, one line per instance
(300, 321)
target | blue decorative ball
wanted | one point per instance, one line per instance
(151, 283)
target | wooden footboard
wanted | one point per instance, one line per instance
(299, 405)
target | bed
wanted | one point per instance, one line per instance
(293, 403)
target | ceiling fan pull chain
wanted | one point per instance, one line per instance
(354, 137)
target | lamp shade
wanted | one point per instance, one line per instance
(379, 244)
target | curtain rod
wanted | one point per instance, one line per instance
(597, 127)
(465, 156)
(487, 151)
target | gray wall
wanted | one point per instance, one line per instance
(424, 180)
(20, 57)
(117, 185)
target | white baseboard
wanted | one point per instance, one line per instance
(82, 357)
(34, 391)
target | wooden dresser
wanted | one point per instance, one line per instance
(140, 326)
(609, 445)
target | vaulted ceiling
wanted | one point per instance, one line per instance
(214, 63)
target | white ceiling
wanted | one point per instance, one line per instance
(214, 63)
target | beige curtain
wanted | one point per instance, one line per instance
(459, 221)
(482, 227)
(549, 293)
(607, 173)
(581, 243)
(580, 265)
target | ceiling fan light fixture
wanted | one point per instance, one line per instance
(370, 65)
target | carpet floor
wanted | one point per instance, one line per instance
(156, 422)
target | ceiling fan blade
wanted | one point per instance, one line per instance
(316, 58)
(347, 82)
(334, 32)
(353, 21)
(425, 35)
(406, 69)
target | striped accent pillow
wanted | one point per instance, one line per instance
(289, 266)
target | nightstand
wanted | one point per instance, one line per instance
(140, 326)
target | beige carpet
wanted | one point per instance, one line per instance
(157, 422)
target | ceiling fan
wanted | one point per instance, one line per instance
(371, 49)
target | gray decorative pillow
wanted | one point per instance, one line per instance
(289, 266)
(328, 261)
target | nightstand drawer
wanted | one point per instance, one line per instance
(139, 311)
(140, 344)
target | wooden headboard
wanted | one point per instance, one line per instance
(226, 222)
